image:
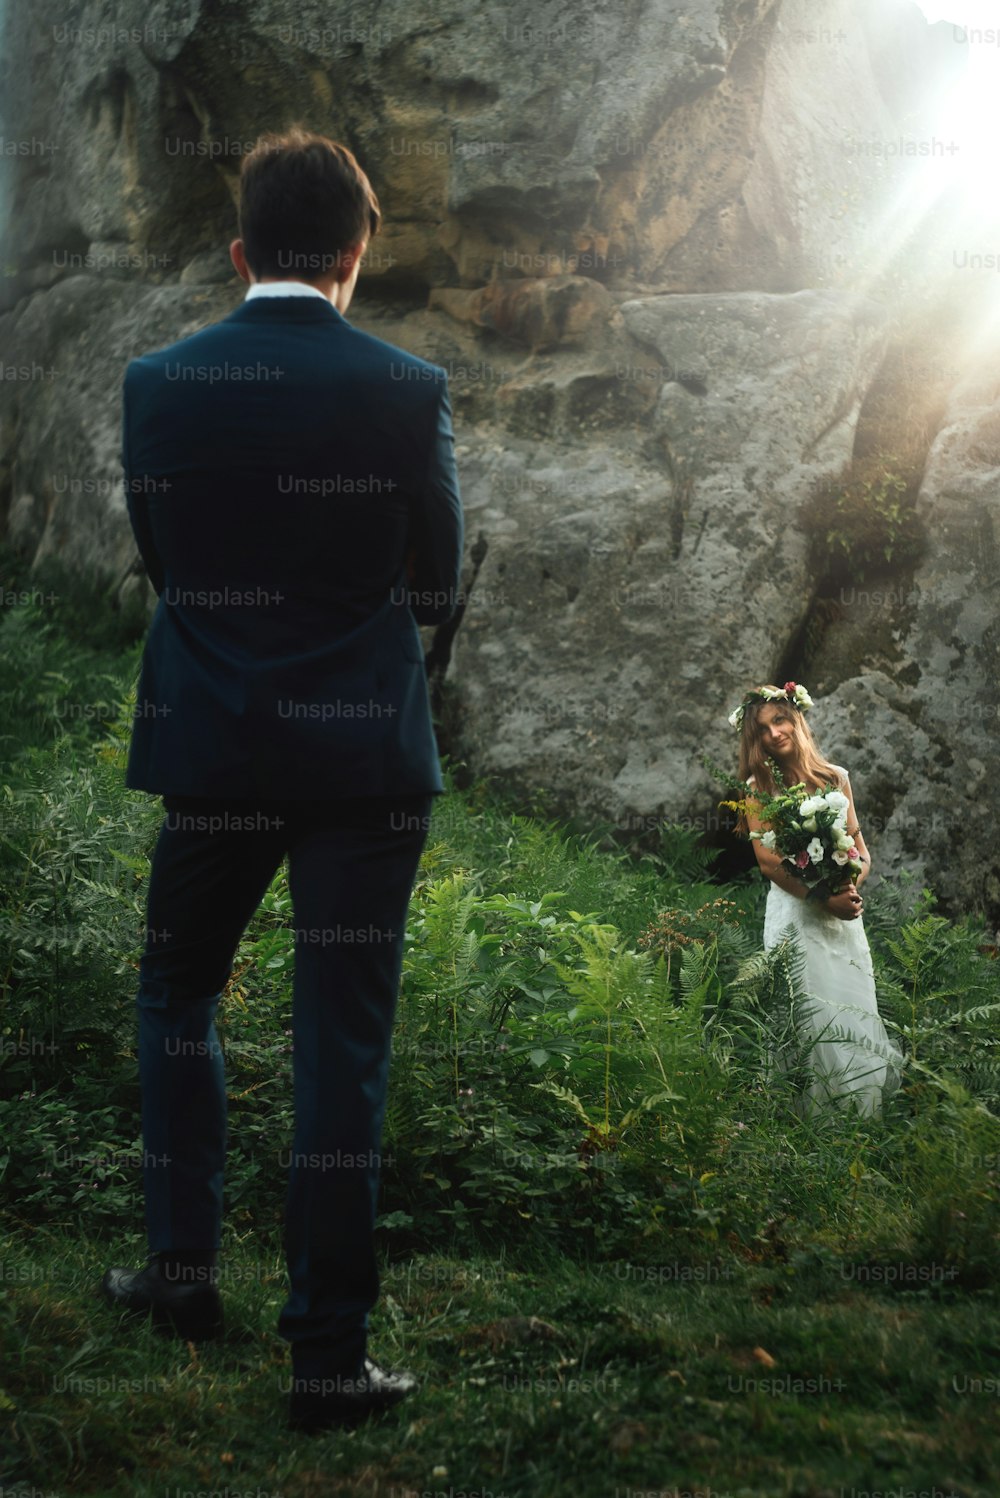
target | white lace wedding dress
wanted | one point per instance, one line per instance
(840, 1035)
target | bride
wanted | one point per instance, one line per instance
(848, 1052)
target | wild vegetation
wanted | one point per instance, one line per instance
(613, 1252)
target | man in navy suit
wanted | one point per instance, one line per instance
(291, 484)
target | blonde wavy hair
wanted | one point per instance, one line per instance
(813, 767)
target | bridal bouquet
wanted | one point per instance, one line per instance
(808, 831)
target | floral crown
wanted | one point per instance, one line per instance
(791, 692)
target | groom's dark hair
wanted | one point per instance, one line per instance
(303, 201)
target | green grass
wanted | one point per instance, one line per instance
(758, 1379)
(728, 1301)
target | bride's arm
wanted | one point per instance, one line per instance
(855, 831)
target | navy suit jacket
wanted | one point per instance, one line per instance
(280, 468)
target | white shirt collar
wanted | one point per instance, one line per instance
(284, 288)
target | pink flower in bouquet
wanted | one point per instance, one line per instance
(801, 859)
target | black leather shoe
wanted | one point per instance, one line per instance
(343, 1399)
(192, 1311)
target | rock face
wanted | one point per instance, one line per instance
(945, 728)
(641, 240)
(604, 673)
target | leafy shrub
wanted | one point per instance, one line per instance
(584, 1049)
(862, 522)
